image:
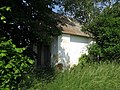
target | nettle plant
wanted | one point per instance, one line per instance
(13, 65)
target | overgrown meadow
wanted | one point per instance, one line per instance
(91, 76)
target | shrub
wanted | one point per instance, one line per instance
(95, 52)
(13, 65)
(83, 59)
(106, 31)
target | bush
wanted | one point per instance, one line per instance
(13, 65)
(95, 52)
(106, 31)
(83, 59)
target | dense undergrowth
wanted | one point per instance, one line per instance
(13, 65)
(91, 76)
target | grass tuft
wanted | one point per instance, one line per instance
(91, 76)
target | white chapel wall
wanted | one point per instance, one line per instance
(78, 47)
(67, 49)
(64, 49)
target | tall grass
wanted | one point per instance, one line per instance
(91, 76)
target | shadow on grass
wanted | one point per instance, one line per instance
(39, 75)
(45, 74)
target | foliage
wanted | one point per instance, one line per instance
(84, 10)
(83, 59)
(106, 31)
(3, 18)
(28, 21)
(13, 65)
(93, 76)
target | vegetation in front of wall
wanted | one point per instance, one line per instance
(106, 31)
(13, 65)
(38, 77)
(91, 76)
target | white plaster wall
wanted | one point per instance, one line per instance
(78, 46)
(63, 50)
(67, 49)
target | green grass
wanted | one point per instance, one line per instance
(92, 76)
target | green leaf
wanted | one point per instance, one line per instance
(17, 71)
(2, 51)
(8, 8)
(3, 54)
(30, 61)
(19, 50)
(8, 66)
(4, 21)
(1, 63)
(28, 77)
(3, 18)
(2, 8)
(7, 89)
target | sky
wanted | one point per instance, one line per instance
(57, 8)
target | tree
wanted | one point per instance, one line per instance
(29, 21)
(84, 10)
(106, 31)
(13, 64)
